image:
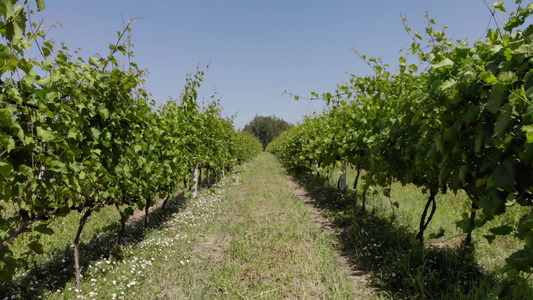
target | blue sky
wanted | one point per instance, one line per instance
(257, 49)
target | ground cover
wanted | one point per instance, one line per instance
(249, 237)
(264, 234)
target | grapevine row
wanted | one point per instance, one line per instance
(462, 122)
(77, 135)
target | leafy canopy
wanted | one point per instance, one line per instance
(266, 129)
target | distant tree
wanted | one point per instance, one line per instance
(266, 128)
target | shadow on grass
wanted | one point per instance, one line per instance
(399, 267)
(56, 272)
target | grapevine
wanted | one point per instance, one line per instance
(459, 119)
(80, 134)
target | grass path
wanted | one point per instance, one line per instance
(257, 236)
(263, 245)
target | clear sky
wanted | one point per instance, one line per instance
(257, 49)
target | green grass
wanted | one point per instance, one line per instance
(263, 245)
(450, 208)
(383, 239)
(250, 237)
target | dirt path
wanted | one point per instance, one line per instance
(359, 276)
(272, 242)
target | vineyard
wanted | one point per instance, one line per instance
(458, 120)
(80, 138)
(81, 135)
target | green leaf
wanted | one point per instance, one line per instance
(465, 223)
(8, 260)
(529, 111)
(472, 114)
(438, 234)
(479, 140)
(95, 132)
(8, 7)
(25, 170)
(16, 26)
(529, 132)
(417, 117)
(40, 5)
(386, 192)
(521, 260)
(5, 167)
(110, 227)
(490, 238)
(122, 49)
(507, 77)
(74, 133)
(450, 134)
(493, 204)
(503, 120)
(369, 140)
(523, 52)
(526, 224)
(58, 166)
(44, 134)
(49, 113)
(29, 79)
(44, 82)
(462, 51)
(43, 228)
(36, 247)
(7, 141)
(129, 211)
(6, 117)
(502, 179)
(450, 83)
(528, 151)
(488, 77)
(443, 63)
(463, 170)
(93, 61)
(104, 112)
(502, 230)
(499, 6)
(481, 181)
(438, 142)
(496, 98)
